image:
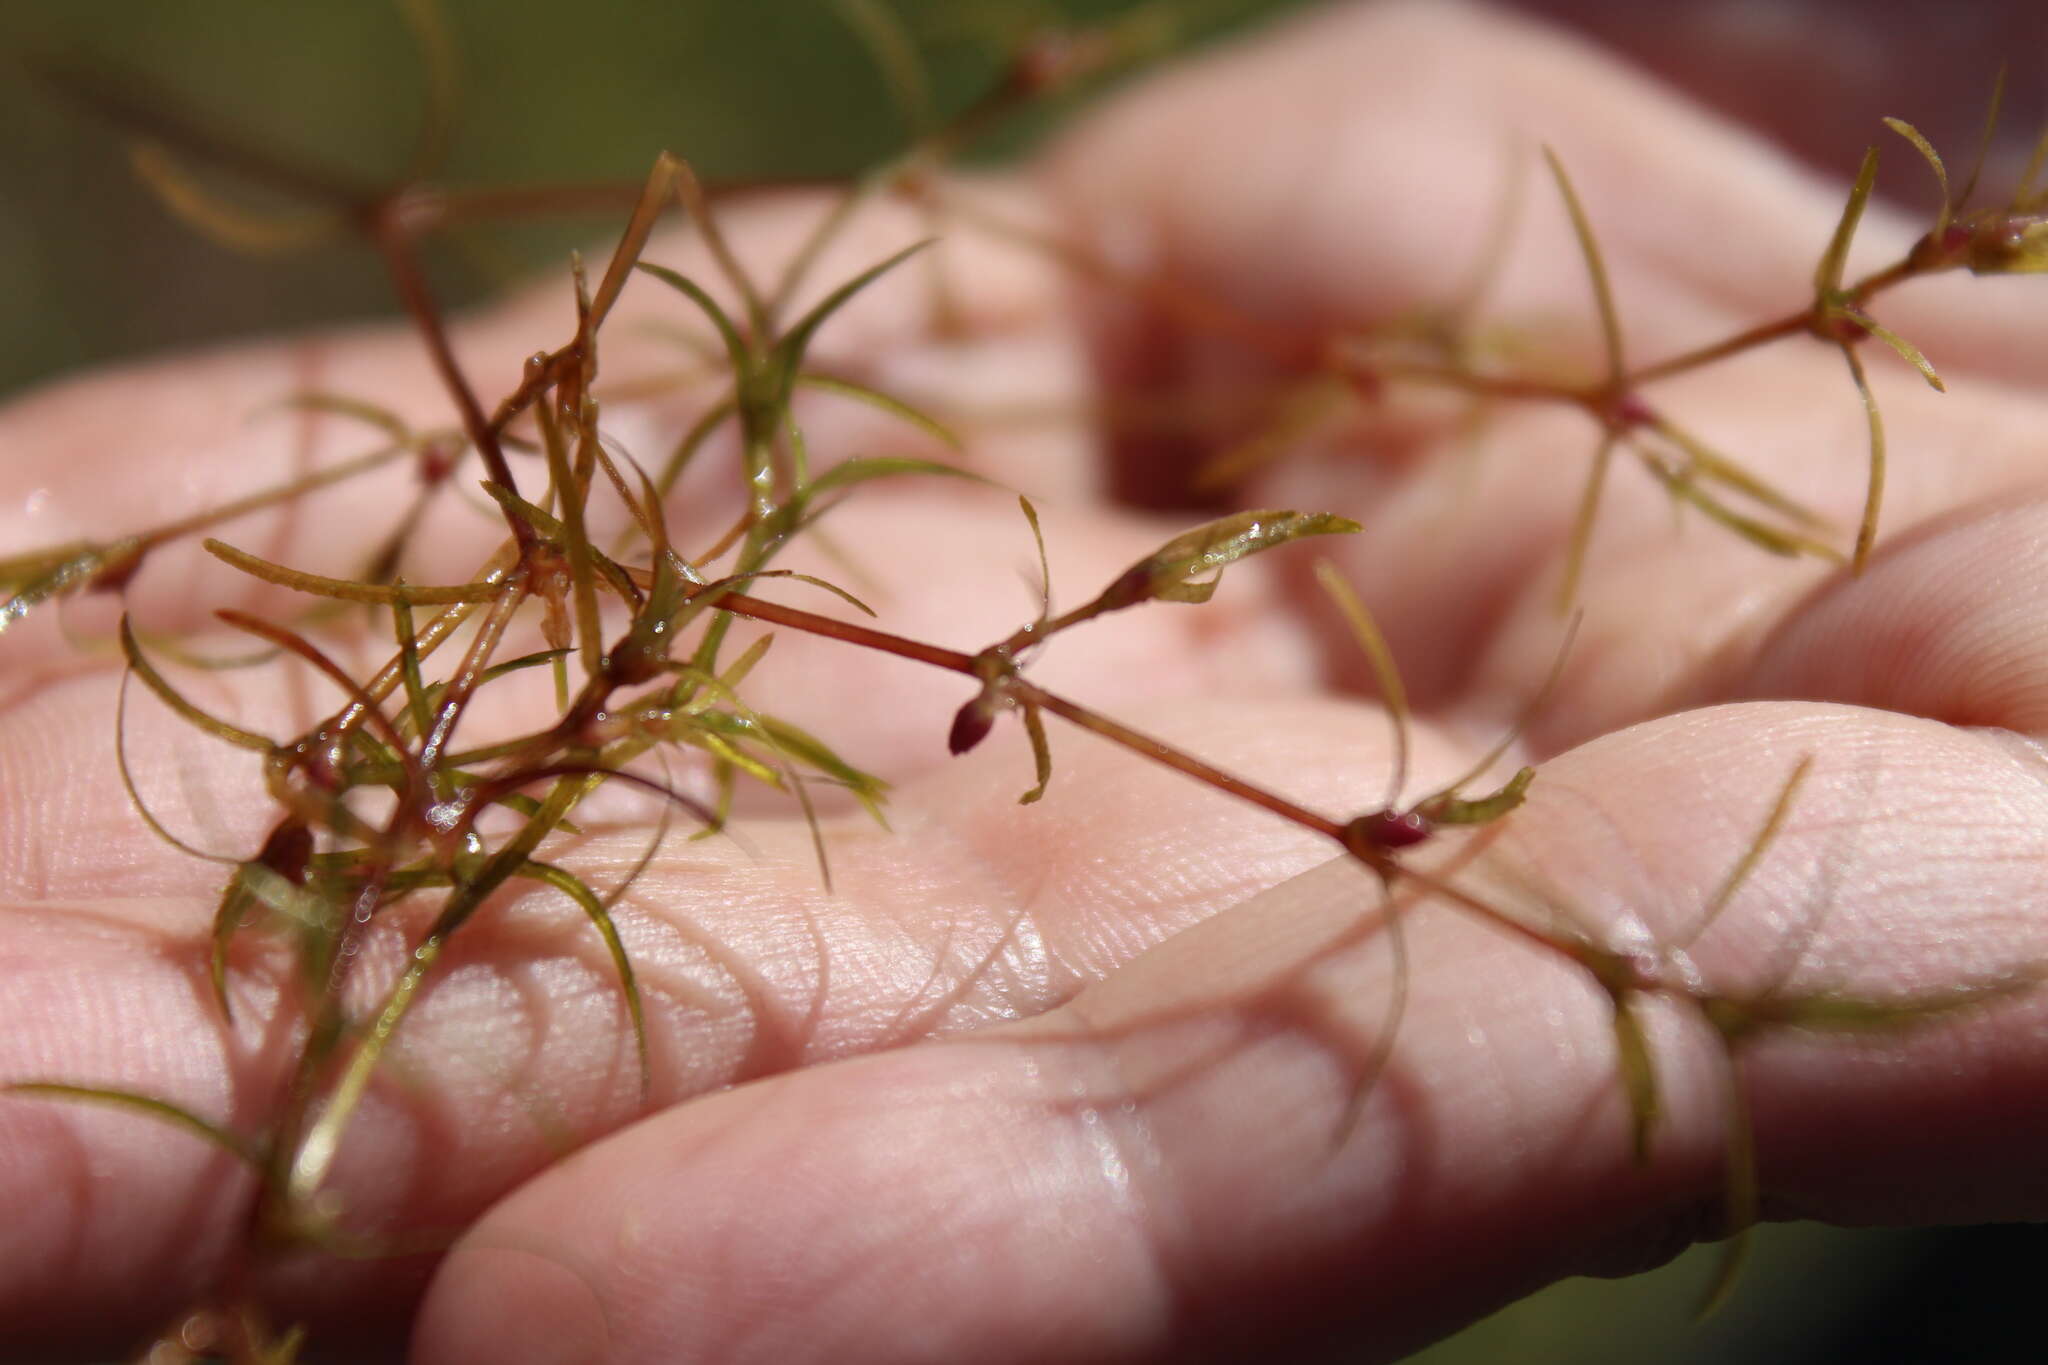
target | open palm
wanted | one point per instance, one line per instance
(1075, 1081)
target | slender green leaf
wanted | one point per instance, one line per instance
(1188, 567)
(1596, 269)
(348, 589)
(135, 800)
(1741, 1199)
(217, 220)
(1044, 563)
(1452, 809)
(1445, 807)
(788, 356)
(1759, 844)
(1303, 410)
(1933, 159)
(1908, 352)
(341, 405)
(1827, 276)
(1373, 644)
(176, 1115)
(212, 725)
(801, 510)
(1390, 1026)
(418, 714)
(888, 403)
(888, 42)
(33, 579)
(1638, 1076)
(1041, 754)
(1581, 538)
(728, 331)
(1773, 539)
(574, 887)
(693, 440)
(1711, 464)
(709, 599)
(1984, 137)
(1873, 495)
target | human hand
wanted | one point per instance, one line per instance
(1150, 1158)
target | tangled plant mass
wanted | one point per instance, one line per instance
(476, 700)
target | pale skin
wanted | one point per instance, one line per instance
(1073, 1083)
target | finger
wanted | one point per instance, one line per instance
(1162, 1169)
(1940, 626)
(973, 911)
(1465, 556)
(1325, 150)
(1347, 169)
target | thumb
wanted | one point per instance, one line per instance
(1178, 1166)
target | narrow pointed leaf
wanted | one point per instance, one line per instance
(217, 220)
(1041, 754)
(417, 711)
(213, 725)
(1827, 276)
(1833, 1013)
(1873, 496)
(1451, 809)
(341, 405)
(1302, 412)
(80, 566)
(728, 331)
(1390, 1026)
(1933, 159)
(1044, 562)
(135, 800)
(827, 584)
(175, 1115)
(1581, 537)
(709, 734)
(881, 31)
(1773, 539)
(693, 440)
(348, 589)
(1185, 568)
(1638, 1077)
(1908, 352)
(788, 356)
(1984, 138)
(698, 206)
(1447, 798)
(1712, 464)
(1373, 644)
(800, 745)
(235, 902)
(1596, 269)
(885, 402)
(2023, 196)
(1766, 835)
(574, 887)
(1741, 1199)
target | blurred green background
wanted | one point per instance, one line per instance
(95, 269)
(549, 93)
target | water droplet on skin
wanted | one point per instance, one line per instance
(36, 503)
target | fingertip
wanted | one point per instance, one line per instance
(1349, 166)
(1941, 624)
(899, 1208)
(496, 1304)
